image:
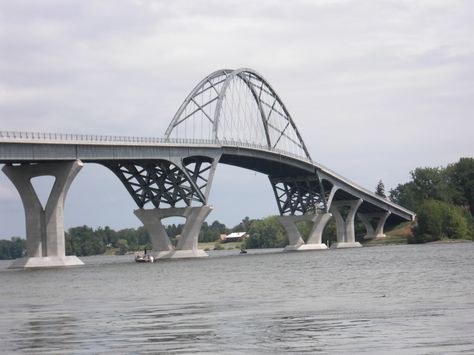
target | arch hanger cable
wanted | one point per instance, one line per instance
(239, 106)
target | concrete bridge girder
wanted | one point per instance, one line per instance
(44, 225)
(188, 242)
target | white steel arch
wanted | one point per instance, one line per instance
(237, 105)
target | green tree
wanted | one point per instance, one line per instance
(211, 233)
(304, 228)
(5, 250)
(108, 235)
(427, 183)
(429, 221)
(122, 244)
(380, 189)
(245, 224)
(83, 241)
(461, 176)
(330, 232)
(437, 220)
(131, 236)
(455, 223)
(266, 233)
(142, 236)
(13, 248)
(173, 230)
(405, 195)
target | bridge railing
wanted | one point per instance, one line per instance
(67, 138)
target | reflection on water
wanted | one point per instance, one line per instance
(47, 333)
(406, 299)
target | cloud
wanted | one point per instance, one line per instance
(7, 193)
(377, 88)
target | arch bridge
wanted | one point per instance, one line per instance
(231, 117)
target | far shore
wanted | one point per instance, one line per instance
(388, 240)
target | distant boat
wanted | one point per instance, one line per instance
(243, 251)
(144, 259)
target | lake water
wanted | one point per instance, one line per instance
(382, 300)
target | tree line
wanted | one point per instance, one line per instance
(443, 199)
(13, 248)
(85, 240)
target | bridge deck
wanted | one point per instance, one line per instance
(18, 147)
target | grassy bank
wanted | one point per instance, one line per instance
(397, 235)
(221, 246)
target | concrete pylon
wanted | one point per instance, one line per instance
(296, 242)
(345, 227)
(44, 226)
(367, 219)
(188, 243)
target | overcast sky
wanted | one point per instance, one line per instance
(376, 88)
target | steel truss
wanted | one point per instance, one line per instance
(162, 182)
(237, 105)
(299, 195)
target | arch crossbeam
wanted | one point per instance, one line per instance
(237, 105)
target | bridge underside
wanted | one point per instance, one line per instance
(304, 189)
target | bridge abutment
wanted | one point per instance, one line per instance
(296, 242)
(187, 246)
(368, 218)
(345, 226)
(45, 242)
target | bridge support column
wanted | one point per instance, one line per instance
(188, 243)
(44, 226)
(296, 242)
(345, 226)
(368, 218)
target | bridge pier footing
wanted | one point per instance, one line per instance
(44, 226)
(345, 226)
(187, 246)
(296, 242)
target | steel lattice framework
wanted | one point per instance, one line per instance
(162, 182)
(299, 195)
(237, 105)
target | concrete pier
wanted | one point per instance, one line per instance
(379, 219)
(44, 226)
(296, 242)
(345, 226)
(187, 246)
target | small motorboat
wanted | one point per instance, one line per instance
(144, 258)
(243, 251)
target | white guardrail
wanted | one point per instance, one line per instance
(67, 138)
